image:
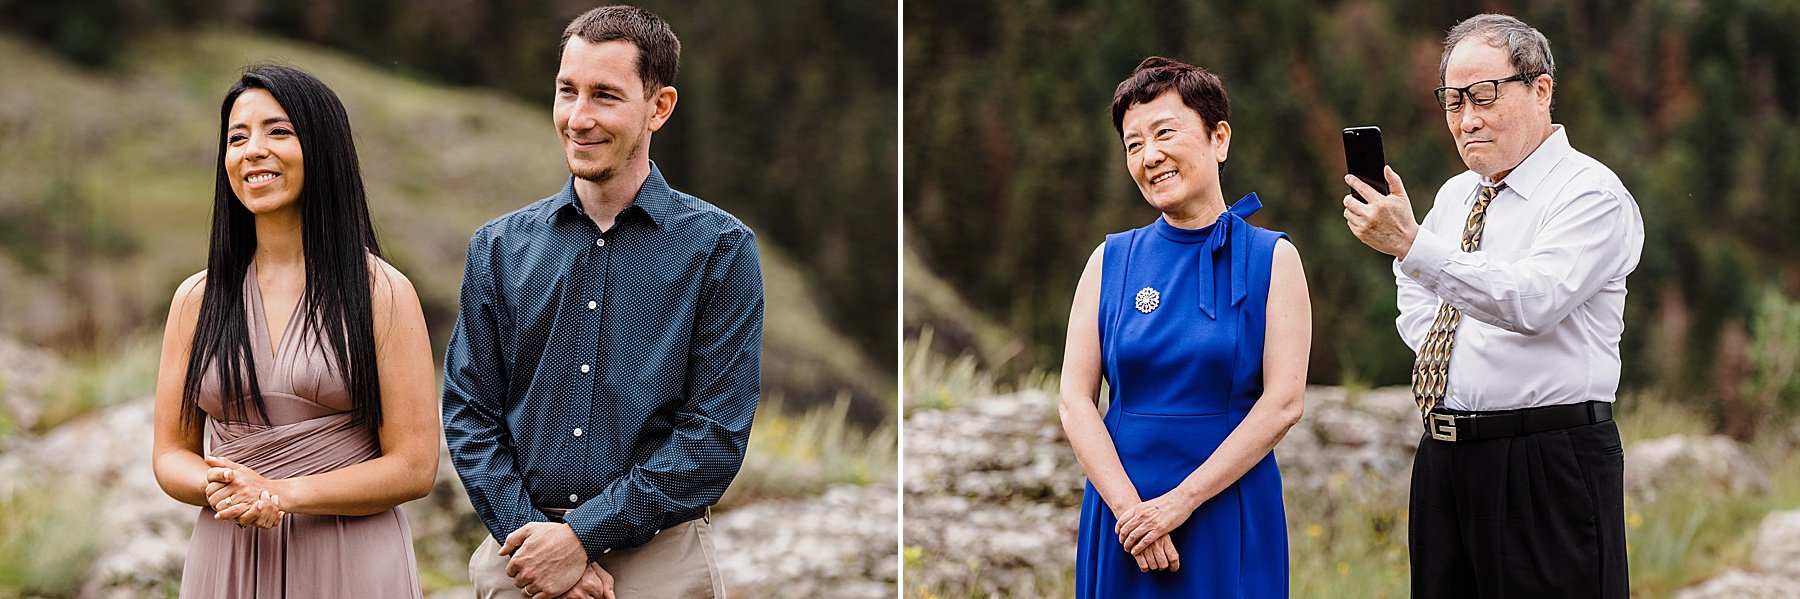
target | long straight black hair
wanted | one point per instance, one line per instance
(336, 235)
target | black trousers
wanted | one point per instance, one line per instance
(1537, 516)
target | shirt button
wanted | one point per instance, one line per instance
(585, 368)
(573, 498)
(577, 432)
(593, 304)
(601, 242)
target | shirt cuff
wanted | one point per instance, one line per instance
(1426, 259)
(601, 532)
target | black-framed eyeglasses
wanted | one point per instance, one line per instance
(1481, 93)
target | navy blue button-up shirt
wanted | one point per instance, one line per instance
(614, 373)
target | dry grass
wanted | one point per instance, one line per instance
(1692, 532)
(797, 455)
(1355, 547)
(101, 378)
(45, 536)
(935, 381)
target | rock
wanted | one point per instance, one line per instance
(1737, 584)
(838, 544)
(993, 490)
(993, 494)
(1007, 446)
(27, 375)
(1778, 545)
(1775, 564)
(1351, 443)
(977, 548)
(104, 459)
(1678, 461)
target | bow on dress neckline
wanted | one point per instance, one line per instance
(1224, 232)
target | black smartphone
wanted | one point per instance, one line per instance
(1362, 153)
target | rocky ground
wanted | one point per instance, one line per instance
(992, 497)
(993, 492)
(1774, 571)
(841, 543)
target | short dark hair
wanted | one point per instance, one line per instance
(1200, 90)
(659, 52)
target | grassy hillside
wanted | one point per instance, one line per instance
(105, 191)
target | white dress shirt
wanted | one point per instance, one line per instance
(1543, 300)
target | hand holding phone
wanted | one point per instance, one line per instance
(1364, 157)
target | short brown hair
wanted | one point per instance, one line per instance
(1199, 88)
(659, 52)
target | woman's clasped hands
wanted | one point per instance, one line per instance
(238, 493)
(1144, 529)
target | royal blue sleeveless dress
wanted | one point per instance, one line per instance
(1182, 319)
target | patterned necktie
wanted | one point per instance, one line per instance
(1431, 371)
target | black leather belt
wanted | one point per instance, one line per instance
(1458, 425)
(556, 514)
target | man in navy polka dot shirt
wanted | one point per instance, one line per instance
(599, 387)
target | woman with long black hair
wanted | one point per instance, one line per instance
(306, 356)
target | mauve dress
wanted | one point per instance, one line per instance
(309, 432)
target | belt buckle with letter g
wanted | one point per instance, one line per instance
(1441, 426)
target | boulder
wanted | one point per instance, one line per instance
(103, 460)
(1778, 545)
(1775, 565)
(1005, 446)
(27, 375)
(1351, 443)
(838, 544)
(993, 495)
(1683, 461)
(982, 547)
(1737, 584)
(993, 490)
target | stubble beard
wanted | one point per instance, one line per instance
(606, 173)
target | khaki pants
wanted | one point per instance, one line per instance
(678, 563)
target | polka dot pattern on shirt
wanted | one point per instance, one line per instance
(615, 373)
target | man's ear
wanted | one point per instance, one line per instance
(662, 104)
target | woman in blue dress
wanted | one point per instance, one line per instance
(1200, 325)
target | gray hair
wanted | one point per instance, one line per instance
(1528, 49)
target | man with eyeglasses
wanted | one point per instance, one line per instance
(1513, 294)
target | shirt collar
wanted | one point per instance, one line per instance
(1524, 179)
(655, 199)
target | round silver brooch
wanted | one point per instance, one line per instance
(1148, 299)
